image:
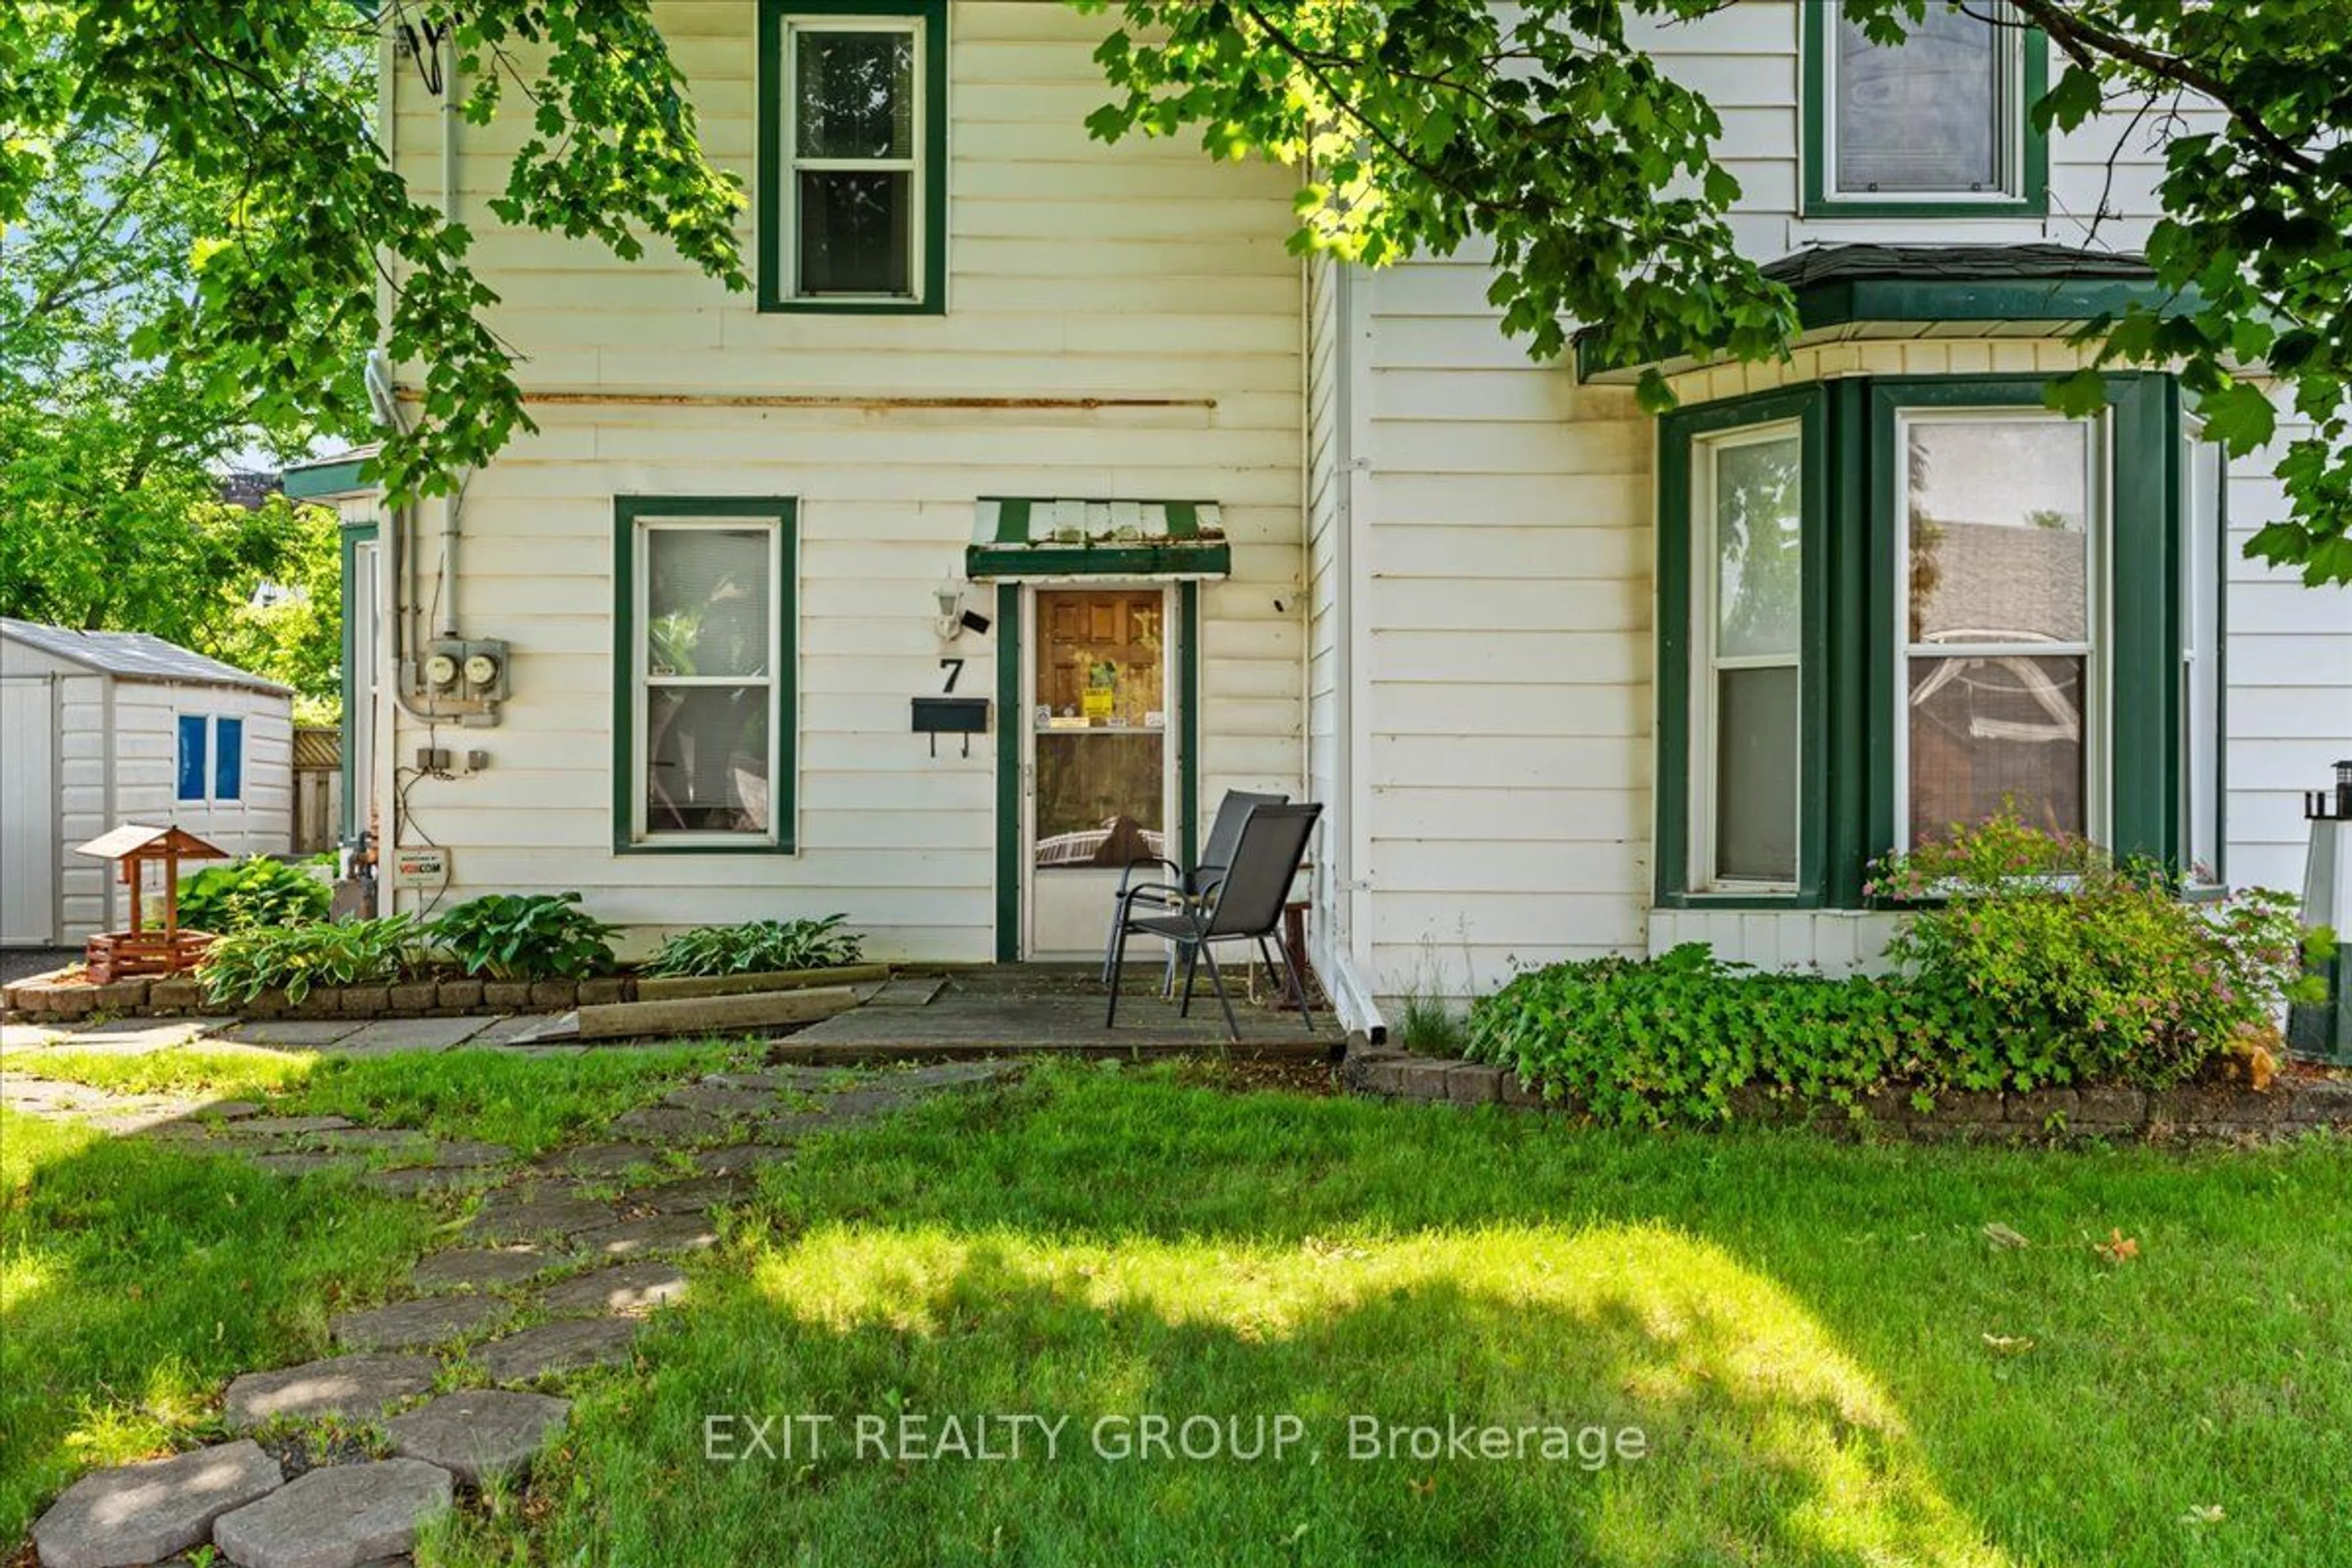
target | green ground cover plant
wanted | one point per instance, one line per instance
(2025, 960)
(755, 946)
(1831, 1361)
(254, 891)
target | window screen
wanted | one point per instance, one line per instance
(854, 162)
(1750, 524)
(1932, 116)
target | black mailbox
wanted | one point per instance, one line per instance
(937, 716)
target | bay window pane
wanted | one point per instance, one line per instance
(707, 759)
(855, 95)
(2201, 697)
(1926, 116)
(1756, 770)
(856, 232)
(1997, 733)
(1758, 606)
(1999, 513)
(708, 601)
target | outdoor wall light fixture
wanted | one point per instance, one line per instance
(954, 620)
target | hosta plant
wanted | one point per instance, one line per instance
(293, 959)
(757, 945)
(525, 936)
(254, 891)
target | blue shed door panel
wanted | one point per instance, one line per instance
(192, 756)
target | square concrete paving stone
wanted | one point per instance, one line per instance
(397, 1037)
(539, 1216)
(499, 1030)
(693, 1196)
(138, 1514)
(660, 1233)
(414, 1325)
(289, 1126)
(599, 1159)
(289, 1034)
(670, 1124)
(482, 1268)
(622, 1287)
(338, 1516)
(555, 1348)
(139, 1036)
(479, 1434)
(309, 1162)
(344, 1388)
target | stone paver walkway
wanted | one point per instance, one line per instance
(550, 1277)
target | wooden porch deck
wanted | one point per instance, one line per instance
(996, 1009)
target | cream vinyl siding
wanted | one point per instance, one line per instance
(1075, 270)
(1510, 528)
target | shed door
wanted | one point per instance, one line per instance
(29, 815)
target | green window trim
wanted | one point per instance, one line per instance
(783, 784)
(1817, 201)
(354, 535)
(772, 194)
(1852, 670)
(1679, 433)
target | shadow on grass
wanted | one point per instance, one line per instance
(1796, 1329)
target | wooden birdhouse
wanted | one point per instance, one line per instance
(123, 954)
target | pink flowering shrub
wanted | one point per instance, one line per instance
(2035, 960)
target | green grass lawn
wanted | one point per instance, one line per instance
(1799, 1331)
(136, 1278)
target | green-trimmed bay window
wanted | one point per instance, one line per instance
(704, 658)
(854, 166)
(1936, 126)
(1937, 599)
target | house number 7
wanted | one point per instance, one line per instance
(954, 666)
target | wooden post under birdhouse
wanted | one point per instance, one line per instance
(126, 954)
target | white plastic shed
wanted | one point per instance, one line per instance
(102, 728)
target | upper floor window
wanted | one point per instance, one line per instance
(1935, 125)
(854, 115)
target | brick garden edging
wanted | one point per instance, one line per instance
(44, 997)
(2295, 1104)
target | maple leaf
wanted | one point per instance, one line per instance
(2118, 1248)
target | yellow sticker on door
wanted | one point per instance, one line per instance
(1096, 701)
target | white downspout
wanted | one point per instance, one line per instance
(454, 503)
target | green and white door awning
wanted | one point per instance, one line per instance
(1025, 537)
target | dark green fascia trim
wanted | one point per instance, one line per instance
(354, 534)
(768, 172)
(320, 480)
(986, 561)
(1815, 201)
(1851, 302)
(1011, 723)
(1676, 572)
(2141, 589)
(2057, 298)
(783, 790)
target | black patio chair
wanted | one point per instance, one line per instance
(1243, 904)
(1182, 885)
